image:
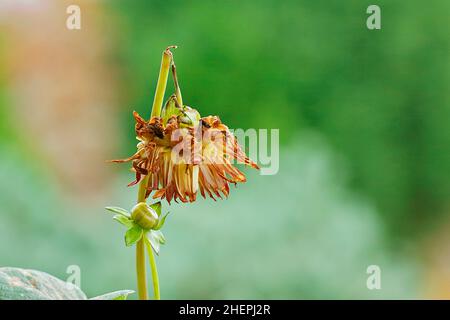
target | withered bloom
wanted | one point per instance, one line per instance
(183, 154)
(179, 155)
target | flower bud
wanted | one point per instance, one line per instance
(143, 215)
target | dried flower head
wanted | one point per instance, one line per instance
(182, 154)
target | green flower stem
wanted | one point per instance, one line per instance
(140, 246)
(140, 256)
(142, 190)
(155, 278)
(140, 270)
(177, 86)
(140, 250)
(162, 82)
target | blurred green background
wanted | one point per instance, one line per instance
(364, 152)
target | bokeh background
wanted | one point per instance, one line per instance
(364, 153)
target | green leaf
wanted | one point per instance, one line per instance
(133, 235)
(124, 220)
(157, 207)
(24, 284)
(161, 222)
(116, 295)
(119, 210)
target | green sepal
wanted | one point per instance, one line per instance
(161, 222)
(157, 207)
(119, 210)
(159, 236)
(127, 222)
(133, 235)
(155, 238)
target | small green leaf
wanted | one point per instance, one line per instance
(161, 222)
(157, 207)
(116, 295)
(133, 235)
(123, 220)
(119, 210)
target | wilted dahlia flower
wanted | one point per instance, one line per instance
(178, 155)
(183, 154)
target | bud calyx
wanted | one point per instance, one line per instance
(144, 216)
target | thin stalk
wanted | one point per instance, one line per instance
(162, 82)
(140, 246)
(142, 189)
(155, 278)
(140, 270)
(177, 86)
(140, 250)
